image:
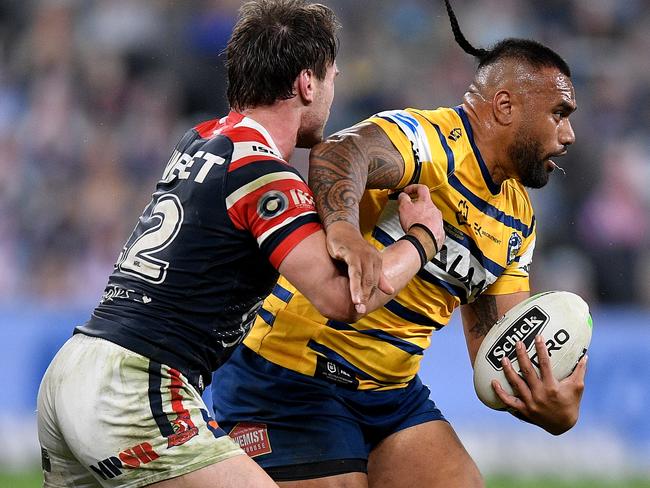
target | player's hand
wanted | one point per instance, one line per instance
(345, 243)
(416, 207)
(541, 399)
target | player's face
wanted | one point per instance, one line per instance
(545, 131)
(311, 132)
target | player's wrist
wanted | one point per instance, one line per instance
(423, 240)
(426, 238)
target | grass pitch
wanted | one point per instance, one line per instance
(33, 479)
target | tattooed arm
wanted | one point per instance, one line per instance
(480, 315)
(340, 169)
(347, 163)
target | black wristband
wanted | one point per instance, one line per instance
(418, 246)
(428, 231)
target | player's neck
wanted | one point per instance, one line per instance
(281, 122)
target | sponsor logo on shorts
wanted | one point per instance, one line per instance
(524, 329)
(131, 458)
(184, 430)
(252, 438)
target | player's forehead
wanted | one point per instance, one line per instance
(554, 86)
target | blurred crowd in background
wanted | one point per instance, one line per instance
(95, 93)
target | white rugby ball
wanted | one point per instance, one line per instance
(561, 317)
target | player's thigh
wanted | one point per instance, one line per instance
(236, 472)
(428, 454)
(60, 467)
(126, 420)
(347, 480)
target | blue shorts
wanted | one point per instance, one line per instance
(299, 427)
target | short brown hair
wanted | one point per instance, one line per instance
(272, 42)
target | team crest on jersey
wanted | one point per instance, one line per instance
(514, 244)
(272, 204)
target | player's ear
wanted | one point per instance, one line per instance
(502, 107)
(305, 86)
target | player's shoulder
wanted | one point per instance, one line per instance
(414, 117)
(440, 115)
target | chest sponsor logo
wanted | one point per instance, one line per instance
(524, 329)
(253, 438)
(131, 458)
(456, 263)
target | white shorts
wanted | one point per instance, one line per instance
(110, 417)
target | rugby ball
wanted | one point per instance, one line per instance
(561, 317)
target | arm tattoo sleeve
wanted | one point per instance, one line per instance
(347, 163)
(485, 310)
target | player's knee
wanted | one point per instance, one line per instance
(475, 480)
(467, 475)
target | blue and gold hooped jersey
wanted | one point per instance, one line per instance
(488, 249)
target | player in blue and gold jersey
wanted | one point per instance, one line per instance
(324, 403)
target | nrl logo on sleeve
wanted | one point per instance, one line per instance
(252, 438)
(524, 329)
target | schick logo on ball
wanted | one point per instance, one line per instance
(524, 329)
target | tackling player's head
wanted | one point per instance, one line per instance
(529, 88)
(275, 41)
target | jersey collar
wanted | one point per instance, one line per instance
(489, 182)
(240, 120)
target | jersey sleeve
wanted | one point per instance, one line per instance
(516, 276)
(418, 140)
(270, 200)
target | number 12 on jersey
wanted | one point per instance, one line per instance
(161, 222)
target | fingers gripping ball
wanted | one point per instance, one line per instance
(561, 317)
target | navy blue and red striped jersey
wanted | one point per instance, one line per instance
(205, 251)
